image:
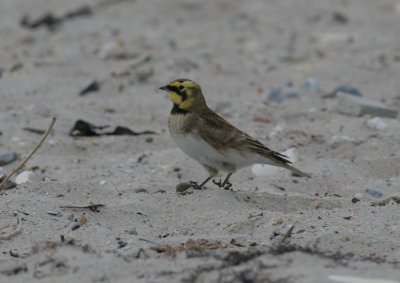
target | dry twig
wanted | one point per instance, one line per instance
(91, 206)
(22, 164)
(12, 235)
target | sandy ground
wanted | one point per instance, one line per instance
(269, 228)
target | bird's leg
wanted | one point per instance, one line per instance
(225, 184)
(199, 187)
(218, 183)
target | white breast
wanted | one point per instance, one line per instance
(198, 149)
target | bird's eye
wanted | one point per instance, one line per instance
(180, 87)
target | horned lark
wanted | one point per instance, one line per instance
(209, 139)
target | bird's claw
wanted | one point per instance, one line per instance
(227, 186)
(220, 184)
(195, 185)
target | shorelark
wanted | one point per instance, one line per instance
(209, 139)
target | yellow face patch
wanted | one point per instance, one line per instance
(189, 101)
(181, 94)
(175, 98)
(184, 93)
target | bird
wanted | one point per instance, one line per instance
(211, 140)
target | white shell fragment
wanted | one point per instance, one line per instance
(376, 124)
(23, 177)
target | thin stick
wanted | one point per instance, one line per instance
(92, 206)
(22, 164)
(13, 234)
(288, 233)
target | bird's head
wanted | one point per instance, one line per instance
(185, 94)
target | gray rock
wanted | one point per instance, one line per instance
(374, 193)
(90, 86)
(8, 157)
(358, 106)
(141, 190)
(181, 187)
(349, 90)
(53, 212)
(277, 95)
(311, 85)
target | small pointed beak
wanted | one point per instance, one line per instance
(166, 88)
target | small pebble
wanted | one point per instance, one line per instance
(82, 219)
(374, 193)
(9, 185)
(311, 85)
(275, 95)
(52, 142)
(53, 212)
(149, 140)
(376, 123)
(102, 182)
(141, 190)
(132, 231)
(345, 90)
(292, 95)
(355, 200)
(340, 18)
(76, 226)
(90, 86)
(8, 157)
(181, 187)
(121, 244)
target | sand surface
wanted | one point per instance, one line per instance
(269, 228)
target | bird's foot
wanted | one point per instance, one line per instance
(195, 185)
(220, 184)
(227, 186)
